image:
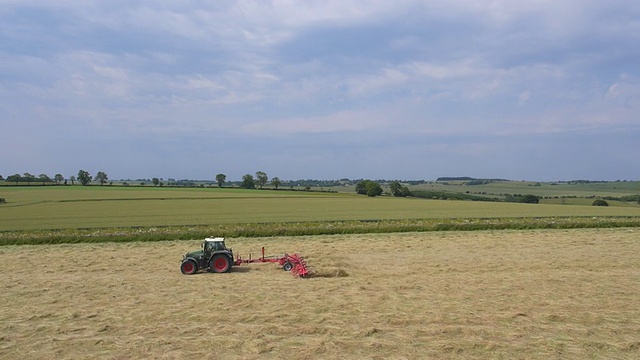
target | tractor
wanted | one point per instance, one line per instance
(214, 256)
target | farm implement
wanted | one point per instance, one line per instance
(216, 257)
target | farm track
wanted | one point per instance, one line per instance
(534, 294)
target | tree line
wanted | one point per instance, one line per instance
(83, 178)
(260, 179)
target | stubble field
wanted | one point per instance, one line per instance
(503, 294)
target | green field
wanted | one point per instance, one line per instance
(73, 207)
(548, 192)
(128, 211)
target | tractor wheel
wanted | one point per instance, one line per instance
(188, 267)
(220, 263)
(287, 266)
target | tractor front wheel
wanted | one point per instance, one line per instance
(188, 267)
(220, 264)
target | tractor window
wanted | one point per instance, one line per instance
(214, 245)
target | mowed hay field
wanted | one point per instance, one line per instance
(501, 294)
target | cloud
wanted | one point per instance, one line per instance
(361, 73)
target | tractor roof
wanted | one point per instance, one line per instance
(214, 239)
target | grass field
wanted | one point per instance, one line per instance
(473, 295)
(51, 207)
(543, 189)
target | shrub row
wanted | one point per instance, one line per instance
(442, 195)
(306, 229)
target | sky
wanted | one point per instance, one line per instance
(414, 90)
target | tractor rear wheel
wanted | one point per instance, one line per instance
(188, 267)
(220, 263)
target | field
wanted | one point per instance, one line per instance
(73, 207)
(507, 294)
(544, 190)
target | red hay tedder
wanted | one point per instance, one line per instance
(216, 257)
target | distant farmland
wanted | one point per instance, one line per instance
(68, 208)
(547, 290)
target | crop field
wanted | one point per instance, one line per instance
(544, 189)
(535, 294)
(50, 207)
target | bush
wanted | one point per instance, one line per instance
(2, 200)
(530, 199)
(600, 202)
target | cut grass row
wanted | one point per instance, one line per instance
(146, 234)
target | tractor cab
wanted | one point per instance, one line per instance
(211, 245)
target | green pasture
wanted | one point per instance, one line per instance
(545, 190)
(76, 207)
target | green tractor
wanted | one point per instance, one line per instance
(214, 256)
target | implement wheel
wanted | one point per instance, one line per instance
(188, 267)
(287, 266)
(220, 263)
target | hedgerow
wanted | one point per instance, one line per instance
(141, 234)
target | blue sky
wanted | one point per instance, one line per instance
(535, 90)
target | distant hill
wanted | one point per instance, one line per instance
(467, 178)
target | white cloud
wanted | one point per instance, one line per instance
(524, 97)
(284, 68)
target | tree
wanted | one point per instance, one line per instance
(28, 178)
(44, 178)
(102, 177)
(261, 178)
(276, 182)
(84, 177)
(58, 178)
(248, 182)
(14, 178)
(369, 188)
(155, 181)
(72, 179)
(1, 178)
(220, 179)
(361, 187)
(600, 202)
(399, 190)
(374, 189)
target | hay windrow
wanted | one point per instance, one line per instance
(330, 273)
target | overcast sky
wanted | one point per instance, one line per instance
(523, 90)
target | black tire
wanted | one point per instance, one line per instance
(188, 267)
(287, 266)
(220, 263)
